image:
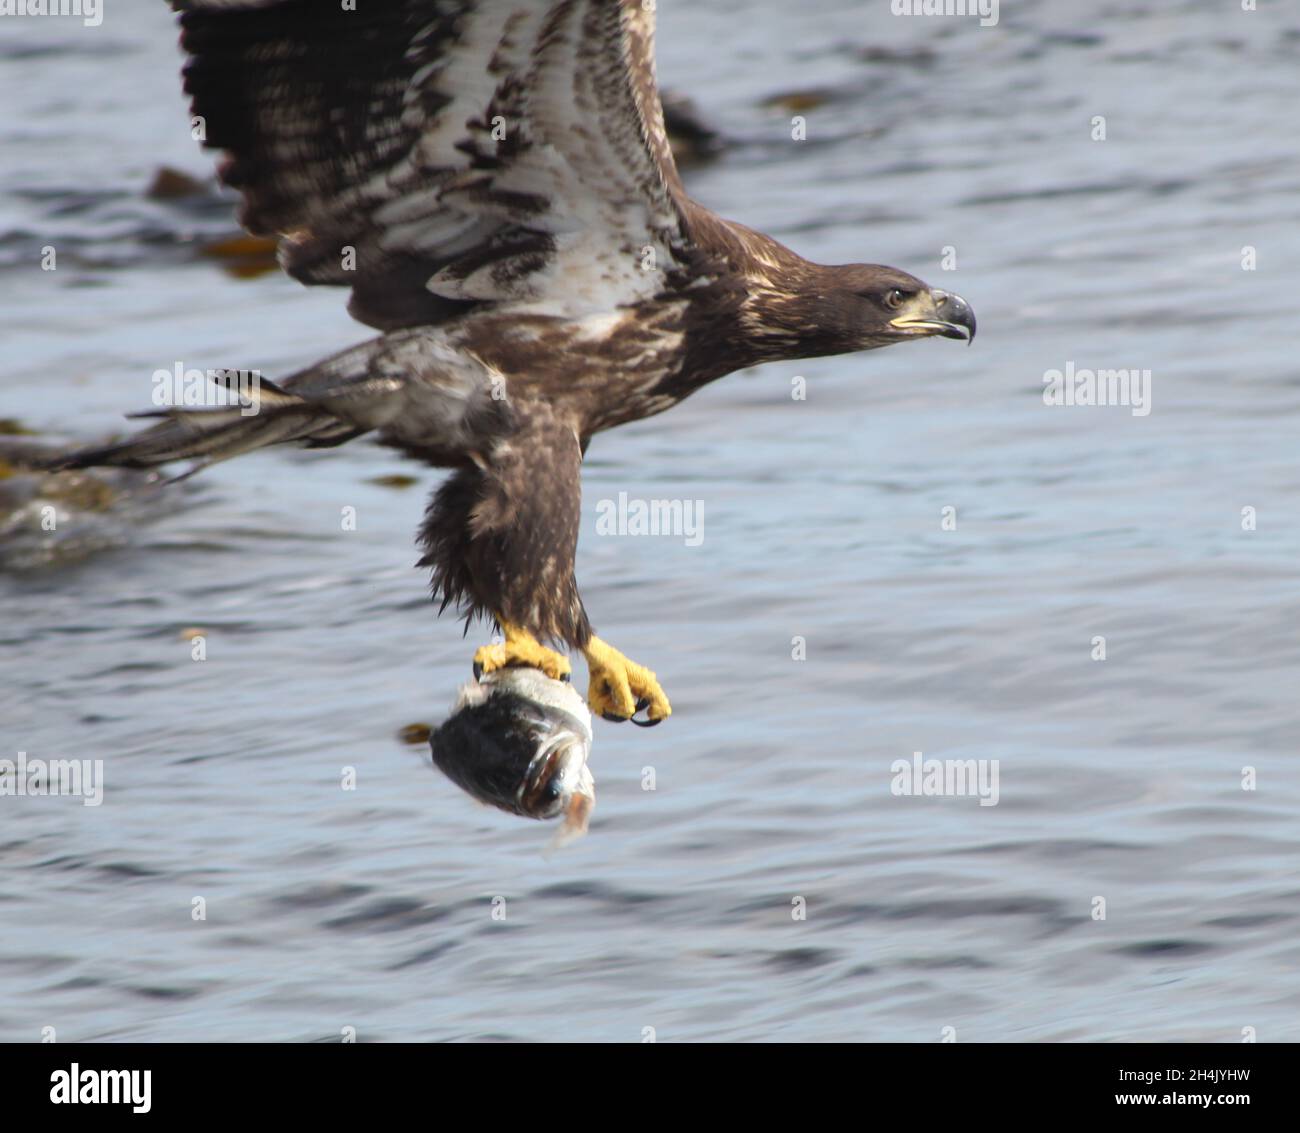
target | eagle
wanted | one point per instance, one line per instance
(492, 181)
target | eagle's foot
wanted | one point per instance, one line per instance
(521, 648)
(620, 688)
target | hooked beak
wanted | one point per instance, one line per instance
(937, 312)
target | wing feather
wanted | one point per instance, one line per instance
(435, 154)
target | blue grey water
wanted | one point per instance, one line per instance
(1120, 778)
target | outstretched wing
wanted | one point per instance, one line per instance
(436, 153)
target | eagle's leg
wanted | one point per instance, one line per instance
(521, 648)
(620, 688)
(501, 537)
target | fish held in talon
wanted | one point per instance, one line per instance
(519, 741)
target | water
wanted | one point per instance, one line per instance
(1119, 778)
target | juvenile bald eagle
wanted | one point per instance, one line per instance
(492, 180)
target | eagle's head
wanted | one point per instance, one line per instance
(867, 306)
(889, 305)
(807, 310)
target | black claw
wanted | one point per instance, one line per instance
(641, 705)
(614, 719)
(478, 670)
(566, 678)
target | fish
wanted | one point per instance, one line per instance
(519, 741)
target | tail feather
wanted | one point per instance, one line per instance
(209, 435)
(420, 394)
(306, 410)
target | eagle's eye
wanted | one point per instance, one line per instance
(894, 298)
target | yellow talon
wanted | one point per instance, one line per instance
(617, 685)
(521, 648)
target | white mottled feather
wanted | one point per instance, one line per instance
(399, 161)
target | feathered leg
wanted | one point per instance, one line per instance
(501, 538)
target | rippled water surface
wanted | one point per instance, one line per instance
(1119, 779)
